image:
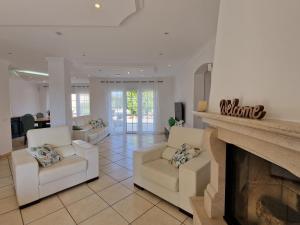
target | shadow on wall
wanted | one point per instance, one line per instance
(202, 84)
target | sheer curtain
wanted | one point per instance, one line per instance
(146, 119)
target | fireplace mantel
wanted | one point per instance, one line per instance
(273, 140)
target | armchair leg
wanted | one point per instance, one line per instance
(25, 139)
(185, 212)
(138, 187)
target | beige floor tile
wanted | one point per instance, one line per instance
(61, 217)
(172, 210)
(11, 218)
(132, 207)
(114, 193)
(129, 184)
(156, 216)
(111, 167)
(4, 181)
(149, 196)
(74, 194)
(7, 191)
(115, 157)
(8, 204)
(86, 207)
(106, 217)
(103, 161)
(120, 174)
(126, 162)
(188, 221)
(103, 182)
(41, 209)
(5, 172)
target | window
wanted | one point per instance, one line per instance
(80, 104)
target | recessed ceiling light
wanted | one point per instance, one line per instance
(97, 5)
(58, 33)
(128, 72)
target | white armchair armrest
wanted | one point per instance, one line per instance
(149, 154)
(146, 155)
(194, 177)
(25, 172)
(80, 135)
(90, 153)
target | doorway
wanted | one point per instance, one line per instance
(202, 84)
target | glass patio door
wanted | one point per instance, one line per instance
(147, 97)
(132, 108)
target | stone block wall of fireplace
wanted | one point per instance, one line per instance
(261, 193)
(258, 191)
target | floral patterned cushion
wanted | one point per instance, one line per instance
(183, 155)
(45, 155)
(97, 123)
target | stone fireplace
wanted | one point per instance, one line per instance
(255, 171)
(258, 191)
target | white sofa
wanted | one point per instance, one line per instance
(87, 133)
(157, 175)
(32, 182)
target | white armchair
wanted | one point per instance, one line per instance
(79, 164)
(157, 175)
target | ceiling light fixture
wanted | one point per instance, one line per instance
(32, 72)
(128, 72)
(97, 5)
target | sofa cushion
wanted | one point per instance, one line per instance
(65, 151)
(161, 172)
(66, 167)
(181, 135)
(57, 136)
(168, 153)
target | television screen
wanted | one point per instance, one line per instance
(179, 111)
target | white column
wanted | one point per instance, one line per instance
(5, 130)
(60, 91)
(98, 100)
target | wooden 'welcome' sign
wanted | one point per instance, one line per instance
(232, 108)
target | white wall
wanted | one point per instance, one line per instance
(5, 132)
(24, 97)
(184, 81)
(44, 98)
(257, 57)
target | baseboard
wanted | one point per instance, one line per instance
(139, 187)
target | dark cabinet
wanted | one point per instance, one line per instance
(16, 127)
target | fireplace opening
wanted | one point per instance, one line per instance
(258, 191)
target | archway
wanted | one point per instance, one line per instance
(202, 84)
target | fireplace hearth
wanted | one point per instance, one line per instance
(258, 192)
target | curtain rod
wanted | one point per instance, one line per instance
(129, 81)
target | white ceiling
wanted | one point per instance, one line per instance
(123, 36)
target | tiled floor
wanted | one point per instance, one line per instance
(110, 200)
